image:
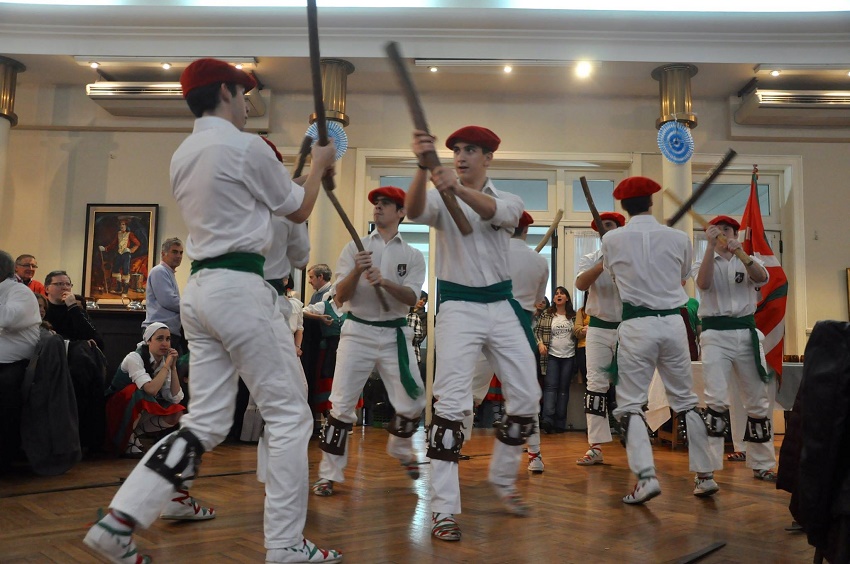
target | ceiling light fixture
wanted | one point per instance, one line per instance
(155, 62)
(583, 69)
(166, 66)
(800, 69)
(433, 69)
(508, 69)
(775, 73)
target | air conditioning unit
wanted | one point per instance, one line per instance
(822, 108)
(154, 99)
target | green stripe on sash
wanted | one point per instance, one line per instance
(726, 323)
(602, 324)
(241, 262)
(633, 312)
(410, 385)
(450, 292)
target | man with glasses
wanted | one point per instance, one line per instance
(65, 313)
(25, 267)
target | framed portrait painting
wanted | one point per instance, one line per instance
(120, 250)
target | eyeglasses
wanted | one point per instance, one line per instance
(62, 284)
(31, 265)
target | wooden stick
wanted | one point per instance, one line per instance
(322, 128)
(432, 161)
(727, 158)
(593, 211)
(550, 231)
(739, 252)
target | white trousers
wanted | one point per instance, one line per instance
(464, 331)
(728, 355)
(235, 327)
(600, 346)
(647, 344)
(363, 349)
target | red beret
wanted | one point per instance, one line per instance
(635, 186)
(475, 135)
(389, 192)
(277, 154)
(727, 220)
(610, 216)
(210, 71)
(525, 220)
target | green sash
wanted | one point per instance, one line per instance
(241, 262)
(633, 312)
(449, 292)
(725, 323)
(410, 386)
(602, 324)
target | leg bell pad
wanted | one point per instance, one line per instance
(402, 426)
(334, 435)
(716, 422)
(624, 424)
(436, 448)
(515, 429)
(596, 403)
(758, 430)
(177, 459)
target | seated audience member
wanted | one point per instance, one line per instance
(68, 318)
(25, 267)
(145, 393)
(42, 311)
(65, 313)
(19, 334)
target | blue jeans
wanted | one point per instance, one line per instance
(556, 391)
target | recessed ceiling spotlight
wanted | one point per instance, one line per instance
(94, 65)
(583, 69)
(166, 66)
(508, 68)
(775, 73)
(432, 69)
(238, 66)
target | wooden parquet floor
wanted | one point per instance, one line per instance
(378, 515)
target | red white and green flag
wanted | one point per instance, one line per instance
(770, 312)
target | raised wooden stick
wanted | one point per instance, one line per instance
(739, 252)
(432, 161)
(550, 231)
(322, 128)
(727, 158)
(592, 206)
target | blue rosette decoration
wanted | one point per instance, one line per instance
(676, 142)
(335, 132)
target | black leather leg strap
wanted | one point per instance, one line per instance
(515, 429)
(184, 468)
(334, 435)
(716, 422)
(436, 432)
(596, 403)
(758, 430)
(402, 426)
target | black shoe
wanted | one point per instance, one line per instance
(547, 428)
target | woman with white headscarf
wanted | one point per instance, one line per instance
(145, 393)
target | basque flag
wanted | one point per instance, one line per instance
(770, 313)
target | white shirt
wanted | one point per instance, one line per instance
(296, 318)
(397, 261)
(480, 258)
(290, 247)
(228, 184)
(603, 302)
(648, 262)
(133, 365)
(19, 321)
(561, 344)
(529, 272)
(733, 293)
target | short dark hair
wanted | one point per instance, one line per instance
(321, 270)
(636, 205)
(7, 266)
(205, 98)
(49, 278)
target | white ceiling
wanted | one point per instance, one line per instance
(625, 46)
